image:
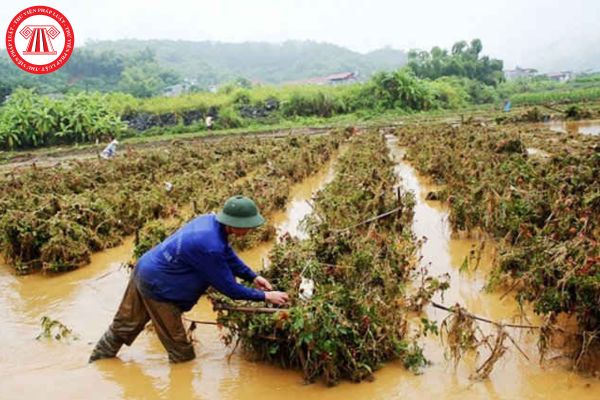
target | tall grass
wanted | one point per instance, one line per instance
(557, 96)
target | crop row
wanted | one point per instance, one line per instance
(55, 218)
(543, 208)
(357, 318)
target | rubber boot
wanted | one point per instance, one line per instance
(107, 347)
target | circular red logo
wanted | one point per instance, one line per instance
(40, 40)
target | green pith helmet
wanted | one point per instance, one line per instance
(240, 212)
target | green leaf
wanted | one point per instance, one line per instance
(464, 267)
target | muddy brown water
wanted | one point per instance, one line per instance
(85, 300)
(585, 127)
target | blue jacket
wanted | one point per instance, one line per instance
(183, 266)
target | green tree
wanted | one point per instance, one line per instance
(146, 80)
(464, 60)
(399, 89)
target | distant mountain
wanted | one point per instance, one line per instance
(216, 62)
(387, 58)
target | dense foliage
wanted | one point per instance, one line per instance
(146, 68)
(463, 60)
(137, 73)
(29, 120)
(433, 80)
(357, 317)
(213, 63)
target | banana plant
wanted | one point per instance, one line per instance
(31, 120)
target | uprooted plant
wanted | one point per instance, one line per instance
(462, 334)
(54, 329)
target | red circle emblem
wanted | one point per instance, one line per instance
(40, 40)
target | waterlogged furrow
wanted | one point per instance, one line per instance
(268, 185)
(55, 218)
(544, 211)
(348, 287)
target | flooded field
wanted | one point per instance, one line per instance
(587, 127)
(85, 300)
(514, 376)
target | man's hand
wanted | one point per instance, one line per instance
(262, 284)
(277, 298)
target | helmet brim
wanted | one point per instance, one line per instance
(241, 222)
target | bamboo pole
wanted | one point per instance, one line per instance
(489, 321)
(375, 218)
(253, 310)
(201, 322)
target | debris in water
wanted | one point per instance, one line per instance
(307, 287)
(54, 329)
(544, 214)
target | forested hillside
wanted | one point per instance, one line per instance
(214, 62)
(145, 67)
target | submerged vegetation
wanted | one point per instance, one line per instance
(55, 218)
(353, 285)
(544, 210)
(350, 284)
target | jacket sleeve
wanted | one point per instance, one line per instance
(239, 268)
(220, 276)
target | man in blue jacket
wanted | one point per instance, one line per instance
(170, 278)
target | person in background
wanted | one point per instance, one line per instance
(170, 278)
(110, 150)
(209, 122)
(507, 105)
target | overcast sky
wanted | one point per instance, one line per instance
(510, 29)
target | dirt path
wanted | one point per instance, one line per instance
(56, 156)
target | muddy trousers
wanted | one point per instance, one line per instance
(131, 318)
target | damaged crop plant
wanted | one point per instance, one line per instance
(356, 319)
(543, 207)
(55, 218)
